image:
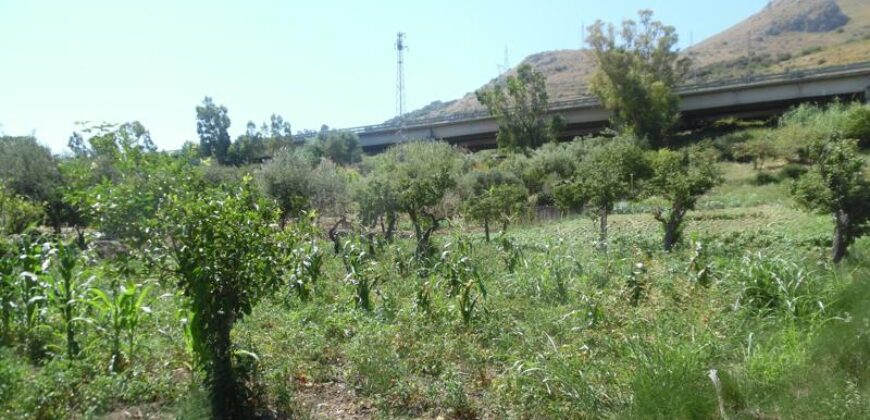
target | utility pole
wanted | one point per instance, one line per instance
(400, 74)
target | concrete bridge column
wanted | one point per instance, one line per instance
(867, 95)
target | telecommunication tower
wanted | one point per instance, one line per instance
(400, 74)
(503, 68)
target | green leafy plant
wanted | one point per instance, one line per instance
(680, 178)
(220, 246)
(520, 106)
(118, 314)
(65, 291)
(361, 272)
(511, 253)
(837, 185)
(771, 285)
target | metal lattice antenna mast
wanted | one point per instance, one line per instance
(503, 68)
(400, 74)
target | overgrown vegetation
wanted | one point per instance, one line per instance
(281, 280)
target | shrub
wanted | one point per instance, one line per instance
(765, 178)
(680, 178)
(222, 251)
(288, 180)
(837, 185)
(17, 213)
(792, 171)
(857, 125)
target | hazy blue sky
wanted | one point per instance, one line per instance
(314, 62)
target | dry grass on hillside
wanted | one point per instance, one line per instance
(763, 43)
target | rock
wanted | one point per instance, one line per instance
(808, 16)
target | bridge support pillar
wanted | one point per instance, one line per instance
(867, 95)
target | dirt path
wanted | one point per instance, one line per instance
(333, 400)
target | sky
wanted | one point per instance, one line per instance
(313, 62)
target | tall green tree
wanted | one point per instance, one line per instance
(608, 174)
(520, 106)
(680, 177)
(212, 123)
(28, 170)
(342, 147)
(837, 185)
(248, 148)
(638, 67)
(277, 134)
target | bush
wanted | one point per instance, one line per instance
(222, 253)
(288, 180)
(765, 178)
(857, 125)
(16, 213)
(792, 171)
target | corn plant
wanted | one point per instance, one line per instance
(558, 267)
(304, 257)
(771, 285)
(361, 273)
(637, 283)
(7, 293)
(455, 264)
(29, 301)
(699, 269)
(424, 295)
(473, 291)
(65, 290)
(462, 276)
(119, 316)
(307, 263)
(512, 254)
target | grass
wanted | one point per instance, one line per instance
(572, 333)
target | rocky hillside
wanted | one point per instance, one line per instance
(786, 35)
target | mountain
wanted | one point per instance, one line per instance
(786, 35)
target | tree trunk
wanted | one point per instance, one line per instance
(226, 403)
(334, 236)
(672, 226)
(418, 231)
(602, 235)
(391, 226)
(841, 235)
(486, 228)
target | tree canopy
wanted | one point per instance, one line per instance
(638, 67)
(212, 123)
(520, 105)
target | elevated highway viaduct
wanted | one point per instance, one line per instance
(752, 97)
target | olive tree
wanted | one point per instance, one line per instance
(342, 147)
(418, 176)
(837, 185)
(492, 196)
(287, 179)
(608, 174)
(680, 177)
